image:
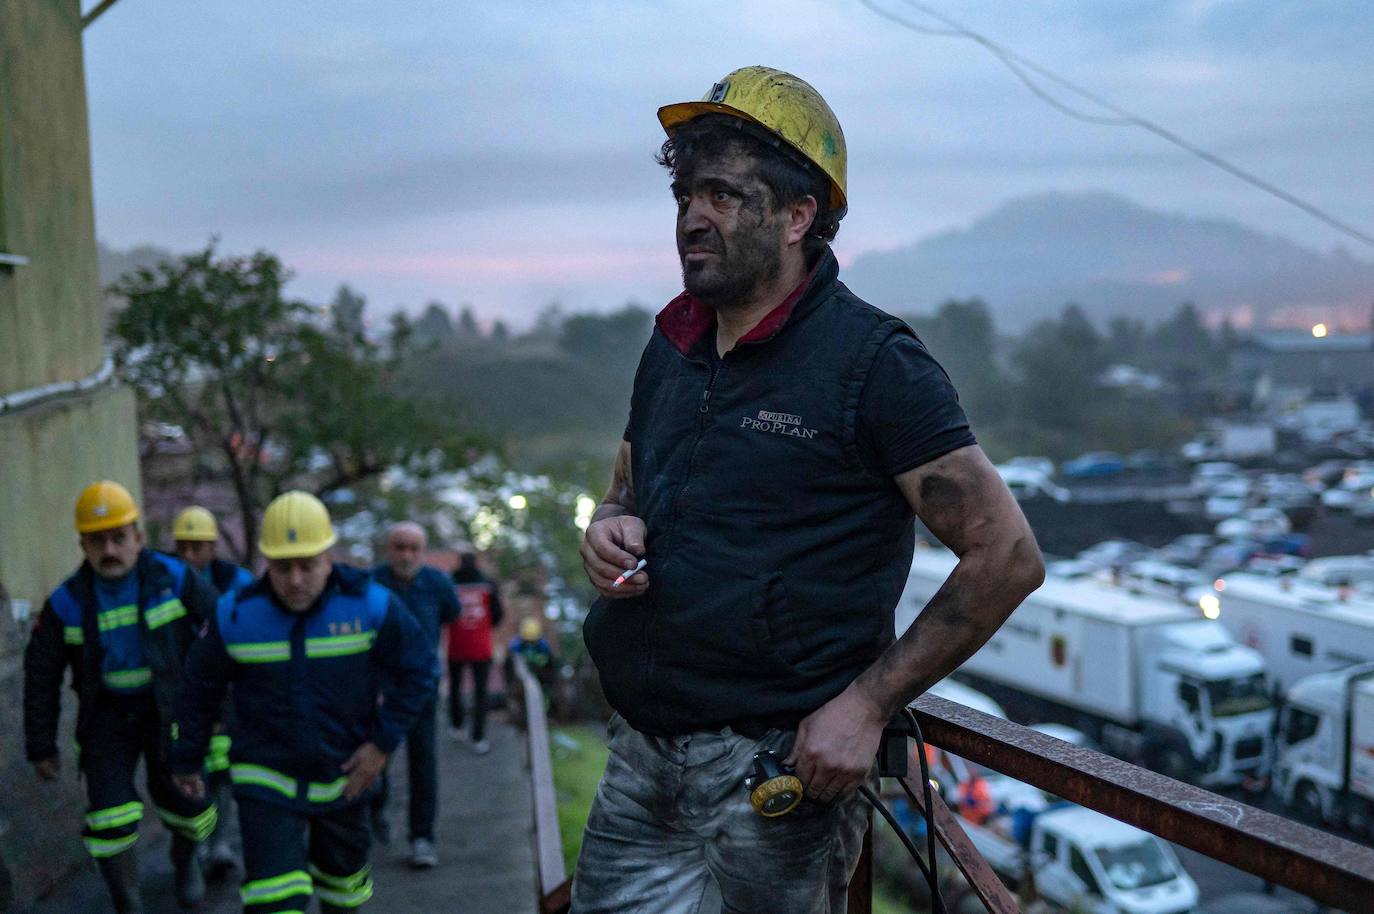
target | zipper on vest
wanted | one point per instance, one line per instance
(703, 408)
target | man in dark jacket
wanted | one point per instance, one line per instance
(306, 648)
(783, 437)
(429, 595)
(123, 623)
(195, 534)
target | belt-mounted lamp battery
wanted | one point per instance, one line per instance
(774, 788)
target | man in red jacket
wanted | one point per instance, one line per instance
(469, 644)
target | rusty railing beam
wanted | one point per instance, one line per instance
(980, 877)
(1330, 869)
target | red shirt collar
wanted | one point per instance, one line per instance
(686, 319)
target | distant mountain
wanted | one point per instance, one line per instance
(1032, 255)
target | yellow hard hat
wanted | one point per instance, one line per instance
(530, 629)
(104, 505)
(783, 104)
(195, 524)
(296, 525)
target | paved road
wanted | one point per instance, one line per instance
(484, 839)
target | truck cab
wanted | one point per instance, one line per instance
(1084, 861)
(1321, 771)
(1208, 701)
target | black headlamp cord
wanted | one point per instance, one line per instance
(937, 902)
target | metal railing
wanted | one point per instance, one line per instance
(1324, 867)
(551, 883)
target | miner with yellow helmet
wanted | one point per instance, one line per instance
(783, 437)
(329, 672)
(195, 534)
(123, 623)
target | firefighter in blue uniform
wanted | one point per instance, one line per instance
(307, 649)
(124, 623)
(195, 534)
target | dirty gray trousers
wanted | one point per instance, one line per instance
(672, 832)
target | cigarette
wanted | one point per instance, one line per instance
(631, 573)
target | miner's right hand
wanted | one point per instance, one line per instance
(612, 546)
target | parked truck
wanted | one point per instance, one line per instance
(1143, 676)
(1298, 626)
(1079, 860)
(1325, 764)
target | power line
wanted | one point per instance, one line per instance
(1022, 67)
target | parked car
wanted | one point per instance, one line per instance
(1189, 549)
(1341, 499)
(1042, 465)
(1026, 484)
(1114, 554)
(1274, 566)
(1220, 507)
(1208, 475)
(1255, 523)
(1327, 473)
(1296, 544)
(1094, 463)
(1230, 556)
(1070, 569)
(1145, 461)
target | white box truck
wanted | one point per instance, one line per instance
(1143, 676)
(1299, 627)
(1325, 764)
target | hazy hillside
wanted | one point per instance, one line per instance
(114, 264)
(1032, 255)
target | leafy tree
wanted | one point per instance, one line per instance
(961, 336)
(1184, 349)
(204, 342)
(614, 339)
(346, 312)
(213, 344)
(435, 327)
(1126, 338)
(1059, 362)
(500, 333)
(467, 323)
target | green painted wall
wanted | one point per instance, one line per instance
(48, 455)
(51, 329)
(50, 311)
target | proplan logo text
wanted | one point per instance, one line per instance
(778, 424)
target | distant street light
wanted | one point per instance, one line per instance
(518, 502)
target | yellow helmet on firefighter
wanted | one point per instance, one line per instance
(296, 525)
(195, 524)
(104, 505)
(784, 105)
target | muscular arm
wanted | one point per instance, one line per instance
(965, 504)
(620, 497)
(615, 537)
(963, 501)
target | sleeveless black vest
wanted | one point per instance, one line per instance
(776, 556)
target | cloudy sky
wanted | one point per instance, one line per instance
(500, 153)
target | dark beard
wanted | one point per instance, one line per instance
(752, 260)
